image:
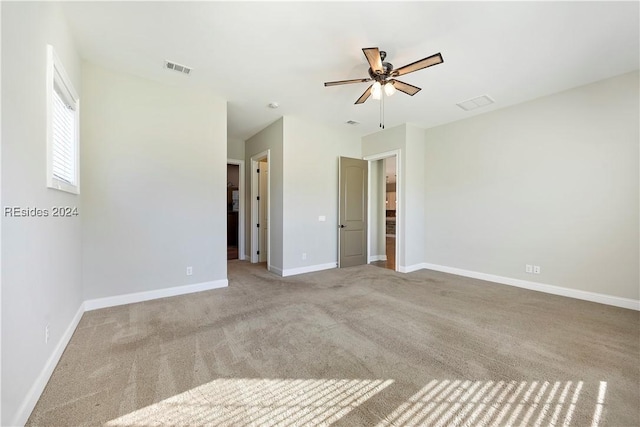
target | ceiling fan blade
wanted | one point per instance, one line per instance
(373, 57)
(419, 65)
(405, 87)
(364, 96)
(346, 82)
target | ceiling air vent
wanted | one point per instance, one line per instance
(177, 67)
(472, 104)
(352, 122)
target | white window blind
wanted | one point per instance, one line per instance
(64, 129)
(63, 116)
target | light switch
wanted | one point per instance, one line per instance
(322, 218)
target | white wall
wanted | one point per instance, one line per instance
(235, 149)
(270, 138)
(413, 199)
(154, 185)
(551, 182)
(384, 140)
(41, 280)
(311, 152)
(304, 186)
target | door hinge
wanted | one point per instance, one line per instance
(258, 225)
(257, 170)
(258, 198)
(257, 252)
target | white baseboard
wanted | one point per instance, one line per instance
(541, 287)
(411, 268)
(275, 270)
(374, 258)
(300, 270)
(308, 269)
(95, 304)
(38, 386)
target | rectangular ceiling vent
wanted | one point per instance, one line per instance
(352, 122)
(177, 67)
(472, 104)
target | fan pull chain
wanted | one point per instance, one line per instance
(382, 111)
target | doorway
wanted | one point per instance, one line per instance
(384, 209)
(260, 209)
(235, 209)
(390, 210)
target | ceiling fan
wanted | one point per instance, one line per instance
(384, 75)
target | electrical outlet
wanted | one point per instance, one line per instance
(536, 269)
(304, 255)
(189, 271)
(46, 334)
(528, 268)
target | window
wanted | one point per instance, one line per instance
(62, 128)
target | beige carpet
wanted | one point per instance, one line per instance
(360, 346)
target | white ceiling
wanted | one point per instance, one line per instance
(254, 53)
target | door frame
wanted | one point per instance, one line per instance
(255, 159)
(399, 197)
(240, 164)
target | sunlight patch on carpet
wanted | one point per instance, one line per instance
(258, 402)
(494, 403)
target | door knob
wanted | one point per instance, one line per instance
(341, 226)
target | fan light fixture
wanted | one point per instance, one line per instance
(376, 90)
(389, 89)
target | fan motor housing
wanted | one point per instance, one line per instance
(387, 68)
